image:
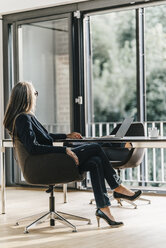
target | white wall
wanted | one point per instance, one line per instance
(11, 6)
(1, 83)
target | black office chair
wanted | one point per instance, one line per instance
(122, 158)
(48, 169)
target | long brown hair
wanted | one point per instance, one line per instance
(21, 101)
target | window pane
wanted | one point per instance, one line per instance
(155, 45)
(44, 60)
(113, 43)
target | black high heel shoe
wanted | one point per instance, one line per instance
(134, 197)
(112, 223)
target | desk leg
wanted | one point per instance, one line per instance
(3, 196)
(65, 192)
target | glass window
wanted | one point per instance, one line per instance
(113, 84)
(155, 47)
(44, 60)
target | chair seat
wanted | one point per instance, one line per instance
(45, 169)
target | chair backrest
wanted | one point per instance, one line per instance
(46, 169)
(135, 155)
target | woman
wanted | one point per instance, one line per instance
(20, 121)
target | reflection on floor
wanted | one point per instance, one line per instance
(144, 227)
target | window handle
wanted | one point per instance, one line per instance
(78, 100)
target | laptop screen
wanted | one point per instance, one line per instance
(124, 127)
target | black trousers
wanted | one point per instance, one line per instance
(92, 158)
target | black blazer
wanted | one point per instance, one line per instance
(35, 137)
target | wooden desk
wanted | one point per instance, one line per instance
(137, 142)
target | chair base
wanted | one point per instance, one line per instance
(128, 201)
(53, 216)
(131, 202)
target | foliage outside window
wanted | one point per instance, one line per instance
(114, 66)
(155, 45)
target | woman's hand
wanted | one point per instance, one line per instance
(73, 155)
(128, 145)
(74, 135)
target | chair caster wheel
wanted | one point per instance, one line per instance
(26, 231)
(74, 230)
(17, 224)
(89, 222)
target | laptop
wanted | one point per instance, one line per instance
(123, 128)
(119, 134)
